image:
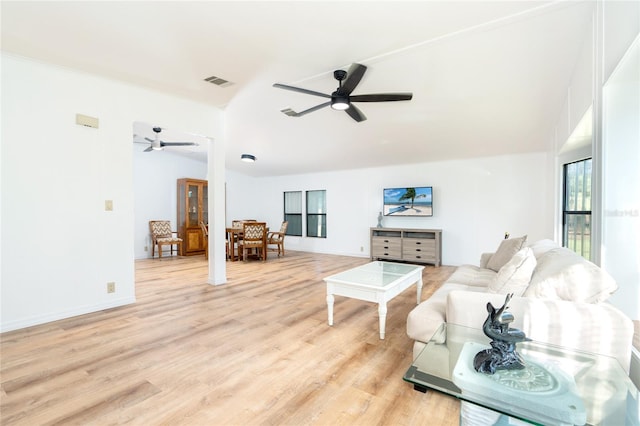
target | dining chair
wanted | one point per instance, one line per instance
(277, 239)
(236, 237)
(205, 236)
(253, 237)
(162, 235)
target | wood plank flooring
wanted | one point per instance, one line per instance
(256, 350)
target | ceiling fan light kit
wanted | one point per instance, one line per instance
(341, 99)
(339, 102)
(248, 158)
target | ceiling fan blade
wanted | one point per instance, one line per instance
(354, 75)
(178, 144)
(148, 149)
(292, 113)
(355, 113)
(382, 97)
(300, 90)
(150, 140)
(315, 108)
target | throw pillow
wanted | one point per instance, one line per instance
(515, 275)
(505, 252)
(564, 275)
(542, 246)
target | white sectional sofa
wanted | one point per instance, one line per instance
(559, 298)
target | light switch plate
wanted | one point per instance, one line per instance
(108, 205)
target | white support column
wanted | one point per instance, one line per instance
(217, 229)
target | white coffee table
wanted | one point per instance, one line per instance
(374, 282)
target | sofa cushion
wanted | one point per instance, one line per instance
(472, 275)
(505, 252)
(424, 319)
(597, 328)
(515, 275)
(563, 274)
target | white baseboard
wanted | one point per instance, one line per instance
(82, 310)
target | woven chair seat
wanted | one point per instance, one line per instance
(169, 240)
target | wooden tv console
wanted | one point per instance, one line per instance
(408, 245)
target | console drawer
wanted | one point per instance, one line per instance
(419, 243)
(419, 250)
(386, 247)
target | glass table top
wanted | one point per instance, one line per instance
(558, 386)
(375, 274)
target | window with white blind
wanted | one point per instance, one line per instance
(293, 212)
(317, 214)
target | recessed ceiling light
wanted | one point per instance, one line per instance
(248, 158)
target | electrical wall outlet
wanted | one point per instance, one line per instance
(361, 248)
(111, 287)
(87, 121)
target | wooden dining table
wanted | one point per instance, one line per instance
(233, 235)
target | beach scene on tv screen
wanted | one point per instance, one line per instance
(416, 201)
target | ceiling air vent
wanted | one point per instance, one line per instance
(218, 81)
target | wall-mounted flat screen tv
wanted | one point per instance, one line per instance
(416, 201)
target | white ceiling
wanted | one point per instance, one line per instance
(488, 78)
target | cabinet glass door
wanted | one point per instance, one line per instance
(192, 206)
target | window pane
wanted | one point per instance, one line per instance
(293, 202)
(578, 234)
(316, 225)
(295, 224)
(578, 186)
(316, 202)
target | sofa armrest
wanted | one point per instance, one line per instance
(597, 328)
(484, 259)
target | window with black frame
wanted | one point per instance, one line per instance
(293, 212)
(316, 214)
(576, 212)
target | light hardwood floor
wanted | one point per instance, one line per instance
(256, 350)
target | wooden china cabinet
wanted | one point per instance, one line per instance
(193, 198)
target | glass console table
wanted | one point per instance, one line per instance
(558, 386)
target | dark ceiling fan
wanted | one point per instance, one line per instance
(342, 99)
(158, 145)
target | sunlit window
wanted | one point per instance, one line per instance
(576, 215)
(316, 214)
(293, 212)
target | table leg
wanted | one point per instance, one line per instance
(264, 246)
(330, 299)
(382, 315)
(232, 245)
(419, 289)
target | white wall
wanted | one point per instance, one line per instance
(155, 190)
(59, 246)
(621, 201)
(475, 202)
(615, 142)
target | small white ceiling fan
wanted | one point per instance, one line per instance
(157, 145)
